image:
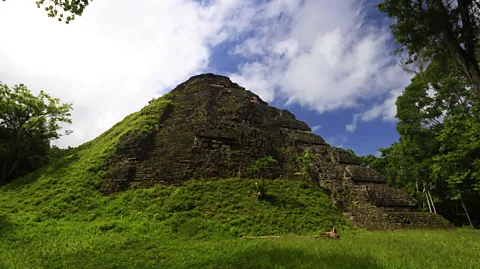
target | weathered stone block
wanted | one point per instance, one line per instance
(341, 156)
(363, 174)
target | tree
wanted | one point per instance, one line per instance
(71, 8)
(458, 162)
(28, 124)
(439, 29)
(438, 150)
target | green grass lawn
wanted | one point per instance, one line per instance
(147, 245)
(53, 224)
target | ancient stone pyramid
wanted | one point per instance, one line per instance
(214, 128)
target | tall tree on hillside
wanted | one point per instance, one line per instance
(439, 29)
(70, 8)
(27, 125)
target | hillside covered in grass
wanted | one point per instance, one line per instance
(199, 207)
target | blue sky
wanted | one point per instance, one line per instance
(329, 62)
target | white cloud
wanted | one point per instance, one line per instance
(257, 79)
(385, 110)
(322, 58)
(116, 57)
(336, 141)
(352, 126)
(316, 128)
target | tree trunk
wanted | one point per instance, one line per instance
(466, 60)
(11, 169)
(466, 212)
(431, 200)
(3, 178)
(428, 201)
(469, 66)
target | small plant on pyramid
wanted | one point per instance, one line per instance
(262, 167)
(306, 166)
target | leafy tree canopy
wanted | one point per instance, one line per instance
(27, 125)
(438, 150)
(439, 29)
(69, 8)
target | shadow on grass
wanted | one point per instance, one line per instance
(168, 253)
(53, 168)
(5, 225)
(275, 200)
(289, 257)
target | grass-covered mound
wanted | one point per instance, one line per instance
(198, 208)
(68, 191)
(69, 186)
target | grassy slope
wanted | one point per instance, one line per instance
(60, 208)
(67, 191)
(68, 187)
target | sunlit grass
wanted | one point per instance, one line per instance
(147, 245)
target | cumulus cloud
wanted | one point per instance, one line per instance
(117, 56)
(385, 110)
(324, 55)
(352, 126)
(337, 141)
(316, 128)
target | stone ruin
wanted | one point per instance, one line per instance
(214, 128)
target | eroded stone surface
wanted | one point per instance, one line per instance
(215, 128)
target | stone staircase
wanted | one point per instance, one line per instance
(378, 206)
(365, 198)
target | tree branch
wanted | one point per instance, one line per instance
(477, 4)
(468, 63)
(467, 28)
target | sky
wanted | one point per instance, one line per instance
(330, 62)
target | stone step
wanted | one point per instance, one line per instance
(374, 218)
(398, 208)
(424, 220)
(382, 195)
